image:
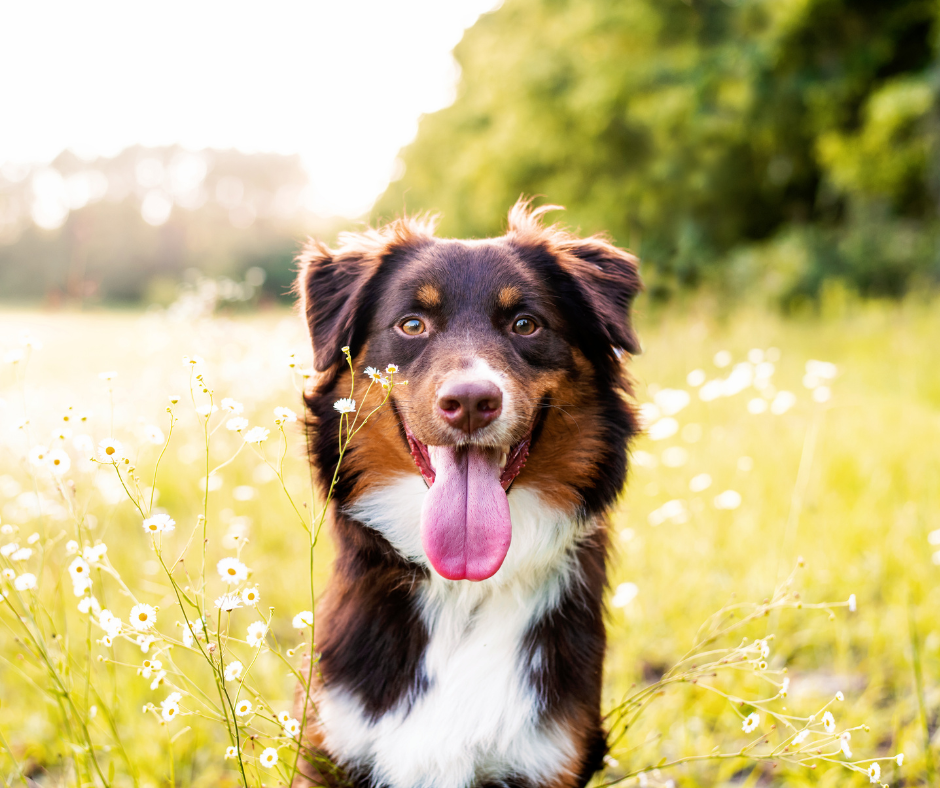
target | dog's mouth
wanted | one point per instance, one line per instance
(465, 524)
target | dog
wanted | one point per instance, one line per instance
(461, 640)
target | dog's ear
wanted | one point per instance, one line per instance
(609, 279)
(331, 287)
(334, 285)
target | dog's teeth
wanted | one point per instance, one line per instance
(502, 459)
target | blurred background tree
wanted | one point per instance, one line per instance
(771, 144)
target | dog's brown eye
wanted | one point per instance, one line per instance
(413, 327)
(525, 326)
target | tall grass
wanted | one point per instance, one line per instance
(735, 484)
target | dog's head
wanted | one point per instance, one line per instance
(511, 351)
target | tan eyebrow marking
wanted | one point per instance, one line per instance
(509, 296)
(428, 295)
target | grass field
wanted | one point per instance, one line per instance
(719, 507)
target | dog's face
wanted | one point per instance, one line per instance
(497, 340)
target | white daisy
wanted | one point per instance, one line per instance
(800, 737)
(145, 641)
(232, 571)
(304, 619)
(840, 696)
(81, 585)
(372, 372)
(256, 633)
(158, 680)
(874, 773)
(751, 721)
(230, 752)
(23, 554)
(268, 757)
(786, 686)
(243, 708)
(250, 596)
(78, 569)
(8, 549)
(391, 369)
(232, 406)
(228, 602)
(207, 410)
(110, 450)
(159, 523)
(283, 717)
(285, 415)
(8, 574)
(291, 728)
(233, 671)
(33, 538)
(256, 435)
(193, 360)
(94, 554)
(899, 758)
(107, 375)
(143, 616)
(169, 710)
(37, 455)
(844, 744)
(237, 424)
(58, 461)
(345, 405)
(829, 722)
(25, 582)
(89, 605)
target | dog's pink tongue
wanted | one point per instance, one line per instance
(465, 525)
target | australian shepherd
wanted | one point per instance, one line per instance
(461, 642)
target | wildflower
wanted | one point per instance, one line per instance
(874, 773)
(159, 523)
(751, 721)
(14, 356)
(899, 758)
(109, 450)
(844, 744)
(391, 369)
(153, 434)
(256, 633)
(233, 671)
(304, 619)
(829, 722)
(144, 641)
(283, 717)
(143, 616)
(729, 499)
(23, 554)
(269, 757)
(285, 415)
(25, 582)
(89, 605)
(93, 555)
(701, 482)
(193, 360)
(256, 435)
(9, 529)
(81, 585)
(232, 571)
(764, 649)
(840, 696)
(106, 641)
(232, 406)
(228, 602)
(207, 410)
(169, 709)
(785, 687)
(237, 424)
(92, 712)
(37, 455)
(345, 405)
(158, 680)
(243, 708)
(230, 752)
(8, 549)
(852, 604)
(8, 574)
(107, 375)
(372, 372)
(150, 667)
(109, 623)
(188, 638)
(58, 462)
(291, 728)
(250, 596)
(78, 569)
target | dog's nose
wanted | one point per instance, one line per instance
(469, 405)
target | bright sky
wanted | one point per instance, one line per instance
(342, 83)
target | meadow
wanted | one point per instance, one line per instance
(802, 449)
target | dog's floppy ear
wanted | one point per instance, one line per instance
(609, 278)
(333, 285)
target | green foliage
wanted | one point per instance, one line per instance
(700, 132)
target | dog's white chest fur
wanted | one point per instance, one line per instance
(479, 716)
